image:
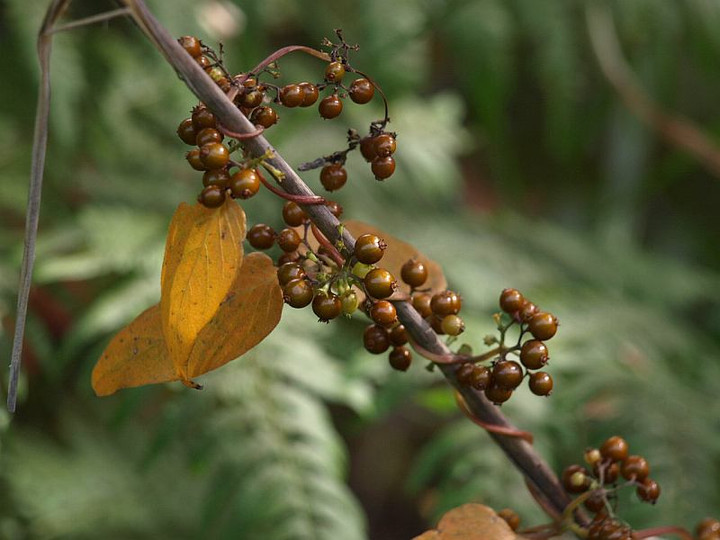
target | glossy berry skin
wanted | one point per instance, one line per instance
(330, 107)
(333, 176)
(292, 95)
(510, 517)
(543, 325)
(298, 293)
(326, 306)
(497, 394)
(376, 339)
(383, 313)
(214, 155)
(574, 482)
(264, 116)
(507, 374)
(385, 145)
(203, 118)
(464, 374)
(212, 197)
(288, 257)
(369, 248)
(414, 273)
(193, 158)
(446, 303)
(244, 183)
(635, 468)
(541, 383)
(334, 72)
(261, 236)
(204, 62)
(310, 94)
(421, 302)
(398, 335)
(289, 271)
(610, 471)
(252, 99)
(452, 325)
(335, 208)
(527, 311)
(481, 377)
(596, 501)
(192, 45)
(708, 528)
(511, 300)
(534, 354)
(217, 177)
(367, 148)
(615, 449)
(361, 91)
(379, 283)
(186, 131)
(288, 239)
(400, 358)
(293, 215)
(383, 167)
(648, 491)
(207, 136)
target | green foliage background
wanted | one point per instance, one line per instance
(517, 166)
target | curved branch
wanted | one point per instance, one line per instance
(520, 453)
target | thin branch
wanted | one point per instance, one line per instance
(521, 454)
(676, 130)
(100, 17)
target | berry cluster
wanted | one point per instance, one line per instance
(708, 529)
(598, 483)
(500, 379)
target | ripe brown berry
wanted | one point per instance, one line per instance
(527, 311)
(534, 354)
(203, 118)
(289, 271)
(635, 468)
(497, 394)
(217, 177)
(421, 302)
(186, 131)
(214, 155)
(481, 377)
(334, 72)
(369, 248)
(446, 303)
(511, 300)
(288, 239)
(383, 313)
(648, 491)
(192, 45)
(212, 196)
(575, 479)
(379, 283)
(452, 325)
(292, 95)
(193, 158)
(326, 306)
(293, 215)
(310, 94)
(708, 529)
(376, 339)
(335, 208)
(361, 91)
(400, 358)
(543, 325)
(204, 62)
(541, 383)
(264, 116)
(330, 106)
(510, 517)
(261, 236)
(367, 148)
(333, 176)
(244, 183)
(414, 273)
(615, 449)
(298, 293)
(383, 167)
(398, 335)
(464, 373)
(207, 136)
(507, 374)
(596, 501)
(385, 145)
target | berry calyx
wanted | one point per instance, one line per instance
(333, 176)
(298, 293)
(361, 91)
(369, 248)
(261, 236)
(541, 383)
(379, 283)
(400, 358)
(414, 273)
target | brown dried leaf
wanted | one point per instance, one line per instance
(136, 356)
(203, 254)
(470, 522)
(397, 254)
(249, 312)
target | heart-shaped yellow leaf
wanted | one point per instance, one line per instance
(203, 254)
(136, 356)
(470, 522)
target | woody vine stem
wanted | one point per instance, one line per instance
(542, 481)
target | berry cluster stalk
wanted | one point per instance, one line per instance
(520, 452)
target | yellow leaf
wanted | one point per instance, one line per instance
(203, 254)
(397, 254)
(249, 312)
(135, 356)
(470, 522)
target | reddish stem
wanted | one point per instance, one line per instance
(542, 502)
(657, 531)
(300, 199)
(448, 359)
(500, 430)
(240, 136)
(280, 53)
(324, 242)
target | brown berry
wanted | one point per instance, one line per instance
(379, 283)
(385, 145)
(367, 148)
(212, 197)
(507, 374)
(288, 239)
(361, 91)
(292, 95)
(298, 293)
(186, 131)
(543, 325)
(383, 313)
(400, 358)
(398, 335)
(214, 155)
(330, 106)
(511, 518)
(193, 158)
(334, 72)
(310, 94)
(648, 491)
(635, 468)
(376, 339)
(333, 176)
(421, 302)
(264, 116)
(293, 215)
(326, 306)
(452, 325)
(414, 273)
(383, 167)
(481, 377)
(497, 394)
(534, 354)
(446, 303)
(615, 448)
(217, 177)
(192, 45)
(261, 236)
(369, 248)
(541, 383)
(511, 300)
(244, 183)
